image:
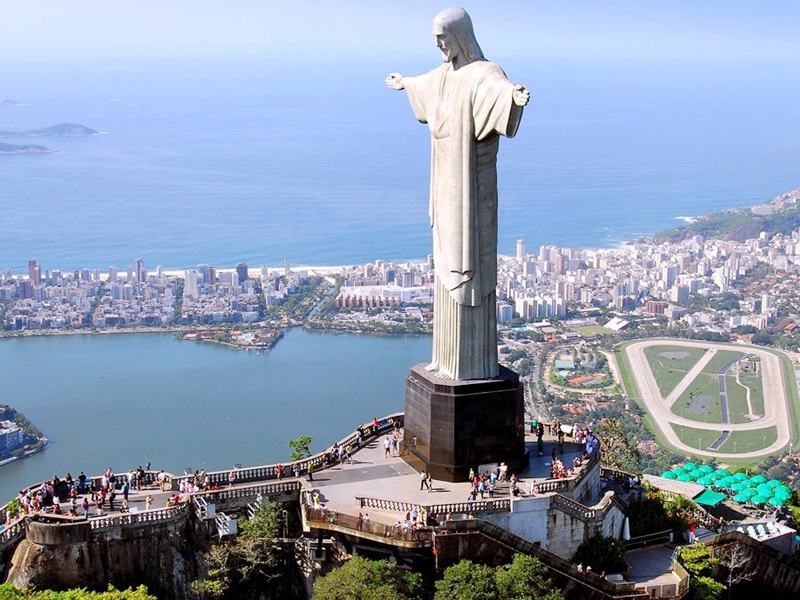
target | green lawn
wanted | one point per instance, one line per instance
(699, 439)
(753, 381)
(737, 400)
(721, 358)
(590, 330)
(748, 441)
(670, 371)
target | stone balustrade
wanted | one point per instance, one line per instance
(321, 518)
(160, 515)
(399, 506)
(270, 472)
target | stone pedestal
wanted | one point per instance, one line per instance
(452, 426)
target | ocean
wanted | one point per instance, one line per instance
(226, 162)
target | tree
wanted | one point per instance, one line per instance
(246, 563)
(9, 592)
(699, 562)
(466, 580)
(525, 577)
(734, 559)
(602, 554)
(363, 579)
(300, 447)
(619, 452)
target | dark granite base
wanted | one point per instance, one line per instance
(452, 426)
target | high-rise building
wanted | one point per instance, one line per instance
(190, 284)
(141, 274)
(287, 266)
(520, 249)
(34, 272)
(241, 270)
(112, 274)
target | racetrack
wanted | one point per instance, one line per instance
(776, 407)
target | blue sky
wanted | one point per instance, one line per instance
(327, 30)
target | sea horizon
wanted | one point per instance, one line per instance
(229, 165)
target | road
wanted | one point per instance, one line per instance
(776, 406)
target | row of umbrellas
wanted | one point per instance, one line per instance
(753, 489)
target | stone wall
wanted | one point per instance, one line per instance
(165, 557)
(771, 569)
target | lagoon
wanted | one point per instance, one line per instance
(129, 399)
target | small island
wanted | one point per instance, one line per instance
(19, 438)
(24, 149)
(60, 130)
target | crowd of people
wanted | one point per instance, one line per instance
(75, 496)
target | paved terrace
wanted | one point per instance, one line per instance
(387, 487)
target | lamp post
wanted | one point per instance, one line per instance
(734, 446)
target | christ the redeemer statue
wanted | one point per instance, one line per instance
(468, 103)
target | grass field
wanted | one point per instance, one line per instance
(753, 381)
(721, 358)
(747, 441)
(737, 399)
(699, 439)
(590, 330)
(670, 371)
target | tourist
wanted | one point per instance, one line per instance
(423, 478)
(85, 506)
(148, 502)
(360, 522)
(310, 471)
(387, 447)
(162, 480)
(429, 481)
(279, 471)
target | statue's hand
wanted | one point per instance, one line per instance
(521, 96)
(395, 81)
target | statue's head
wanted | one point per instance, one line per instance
(454, 36)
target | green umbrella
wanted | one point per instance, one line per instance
(722, 472)
(696, 474)
(758, 500)
(775, 501)
(726, 481)
(684, 477)
(690, 466)
(669, 475)
(764, 490)
(783, 492)
(741, 476)
(678, 471)
(706, 469)
(758, 479)
(749, 483)
(773, 483)
(705, 480)
(738, 486)
(749, 493)
(741, 498)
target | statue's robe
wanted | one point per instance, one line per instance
(466, 110)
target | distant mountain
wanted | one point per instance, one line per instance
(60, 130)
(8, 102)
(779, 215)
(27, 149)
